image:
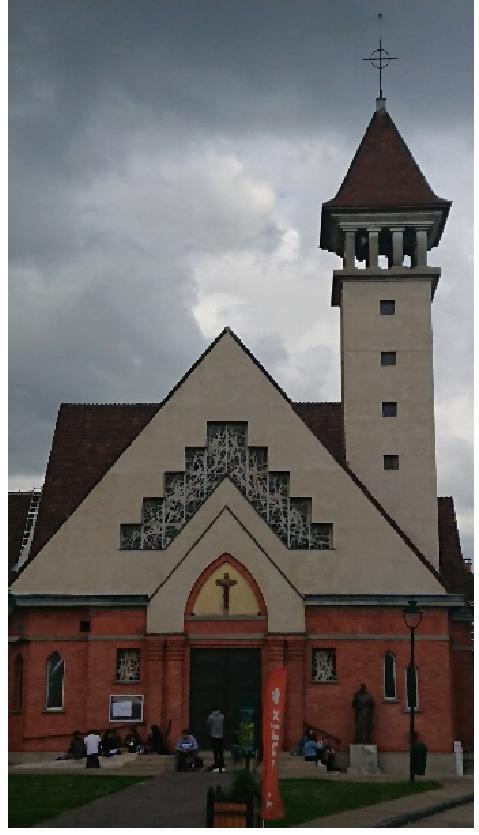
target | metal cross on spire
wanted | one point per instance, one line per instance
(380, 58)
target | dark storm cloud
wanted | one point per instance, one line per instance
(168, 162)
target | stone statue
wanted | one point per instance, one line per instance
(363, 705)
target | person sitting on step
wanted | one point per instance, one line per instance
(110, 743)
(156, 742)
(186, 751)
(312, 749)
(133, 743)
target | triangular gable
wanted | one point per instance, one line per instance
(283, 602)
(265, 406)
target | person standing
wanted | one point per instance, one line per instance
(215, 723)
(92, 744)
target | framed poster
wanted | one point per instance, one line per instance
(126, 708)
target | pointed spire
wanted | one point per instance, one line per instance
(384, 173)
(382, 178)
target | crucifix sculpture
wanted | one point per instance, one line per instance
(226, 584)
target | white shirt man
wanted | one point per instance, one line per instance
(92, 745)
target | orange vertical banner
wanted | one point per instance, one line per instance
(273, 718)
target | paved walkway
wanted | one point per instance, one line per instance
(174, 800)
(394, 813)
(179, 800)
(460, 817)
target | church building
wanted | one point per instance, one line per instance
(180, 550)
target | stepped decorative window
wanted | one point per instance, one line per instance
(389, 675)
(128, 665)
(17, 689)
(227, 454)
(55, 682)
(324, 665)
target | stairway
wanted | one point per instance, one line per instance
(29, 529)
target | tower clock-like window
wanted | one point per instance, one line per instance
(389, 409)
(388, 357)
(55, 680)
(387, 307)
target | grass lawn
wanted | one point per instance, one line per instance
(308, 799)
(33, 798)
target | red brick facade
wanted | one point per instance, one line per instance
(360, 636)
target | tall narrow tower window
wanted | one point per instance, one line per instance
(387, 307)
(389, 676)
(55, 675)
(388, 357)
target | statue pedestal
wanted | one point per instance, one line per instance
(363, 759)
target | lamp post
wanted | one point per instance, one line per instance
(412, 618)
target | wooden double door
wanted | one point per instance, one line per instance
(227, 680)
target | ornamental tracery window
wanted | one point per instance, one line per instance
(55, 681)
(226, 454)
(128, 665)
(324, 665)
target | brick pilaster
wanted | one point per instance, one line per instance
(174, 690)
(294, 657)
(274, 657)
(154, 678)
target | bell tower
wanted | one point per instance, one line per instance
(383, 222)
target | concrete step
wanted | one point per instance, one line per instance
(298, 767)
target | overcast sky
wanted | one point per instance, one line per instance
(168, 161)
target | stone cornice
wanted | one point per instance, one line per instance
(398, 600)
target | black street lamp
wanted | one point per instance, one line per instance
(412, 618)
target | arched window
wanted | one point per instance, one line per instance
(389, 675)
(55, 674)
(17, 690)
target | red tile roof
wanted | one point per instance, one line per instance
(458, 578)
(88, 439)
(326, 422)
(384, 173)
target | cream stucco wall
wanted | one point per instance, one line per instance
(84, 556)
(410, 493)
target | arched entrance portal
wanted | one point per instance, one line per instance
(226, 623)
